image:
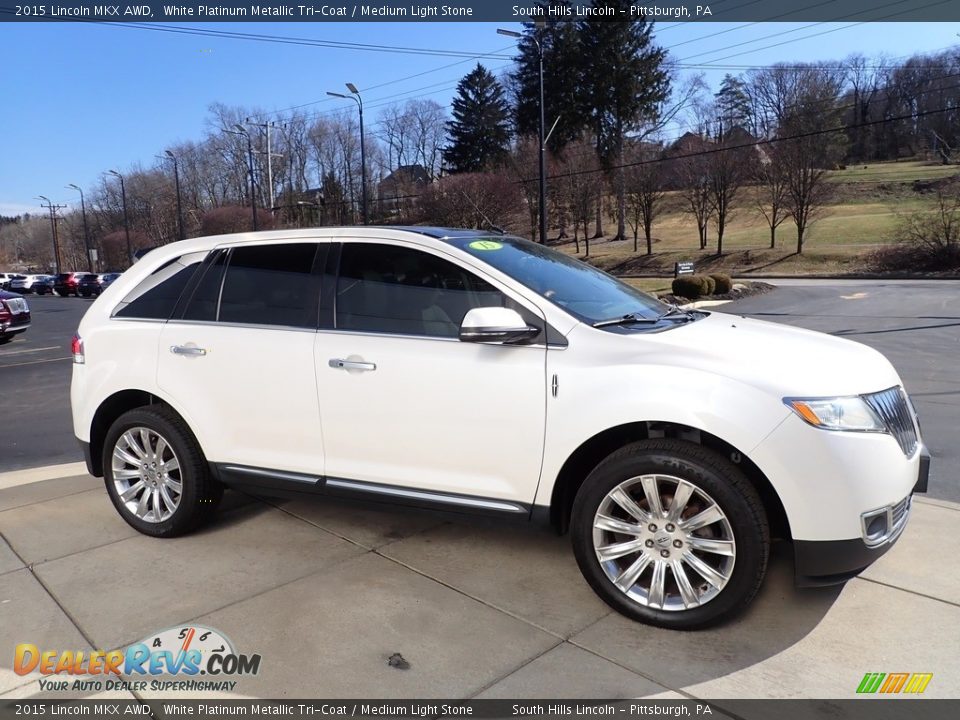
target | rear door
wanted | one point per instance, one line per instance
(239, 358)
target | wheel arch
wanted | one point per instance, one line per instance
(592, 452)
(106, 414)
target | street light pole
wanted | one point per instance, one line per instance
(126, 217)
(240, 130)
(86, 229)
(176, 181)
(355, 96)
(541, 130)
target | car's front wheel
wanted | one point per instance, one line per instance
(156, 474)
(670, 533)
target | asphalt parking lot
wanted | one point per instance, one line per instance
(327, 591)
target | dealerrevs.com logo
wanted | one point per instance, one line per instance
(890, 683)
(177, 652)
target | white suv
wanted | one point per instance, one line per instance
(484, 373)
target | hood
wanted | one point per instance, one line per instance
(781, 359)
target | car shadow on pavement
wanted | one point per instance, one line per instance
(530, 573)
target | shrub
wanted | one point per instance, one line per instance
(723, 283)
(688, 286)
(708, 286)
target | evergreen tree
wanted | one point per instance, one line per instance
(564, 103)
(733, 104)
(624, 82)
(479, 134)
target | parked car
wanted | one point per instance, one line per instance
(67, 283)
(106, 280)
(89, 284)
(5, 279)
(485, 373)
(14, 316)
(43, 284)
(23, 284)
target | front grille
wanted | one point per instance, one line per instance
(893, 409)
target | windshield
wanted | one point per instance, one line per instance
(587, 293)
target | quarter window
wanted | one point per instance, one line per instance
(157, 295)
(271, 285)
(397, 290)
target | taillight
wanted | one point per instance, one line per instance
(76, 347)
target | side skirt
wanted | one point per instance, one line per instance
(286, 484)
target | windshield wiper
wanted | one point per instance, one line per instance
(674, 313)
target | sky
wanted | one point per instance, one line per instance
(79, 99)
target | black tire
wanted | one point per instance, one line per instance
(201, 493)
(709, 472)
(4, 339)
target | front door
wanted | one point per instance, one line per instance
(405, 403)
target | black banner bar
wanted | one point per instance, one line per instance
(844, 11)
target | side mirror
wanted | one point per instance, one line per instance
(495, 325)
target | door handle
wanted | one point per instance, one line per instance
(338, 364)
(189, 350)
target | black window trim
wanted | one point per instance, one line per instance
(173, 313)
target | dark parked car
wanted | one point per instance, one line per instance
(43, 285)
(107, 279)
(90, 284)
(67, 283)
(14, 315)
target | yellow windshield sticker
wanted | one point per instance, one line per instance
(485, 245)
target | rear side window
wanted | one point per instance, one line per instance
(157, 295)
(271, 285)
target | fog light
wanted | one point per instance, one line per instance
(875, 526)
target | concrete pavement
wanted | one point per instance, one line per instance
(327, 590)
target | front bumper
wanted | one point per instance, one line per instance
(829, 562)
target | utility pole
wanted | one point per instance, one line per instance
(241, 130)
(86, 229)
(53, 226)
(270, 155)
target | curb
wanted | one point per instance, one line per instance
(15, 478)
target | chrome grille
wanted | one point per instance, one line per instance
(893, 409)
(899, 513)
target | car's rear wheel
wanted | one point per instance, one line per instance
(156, 474)
(671, 534)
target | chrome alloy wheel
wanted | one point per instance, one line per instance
(146, 474)
(664, 542)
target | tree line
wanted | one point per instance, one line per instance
(628, 128)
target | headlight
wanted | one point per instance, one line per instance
(842, 413)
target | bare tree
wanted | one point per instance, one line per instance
(771, 191)
(474, 200)
(645, 192)
(580, 185)
(728, 166)
(524, 162)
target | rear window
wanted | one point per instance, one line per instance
(64, 276)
